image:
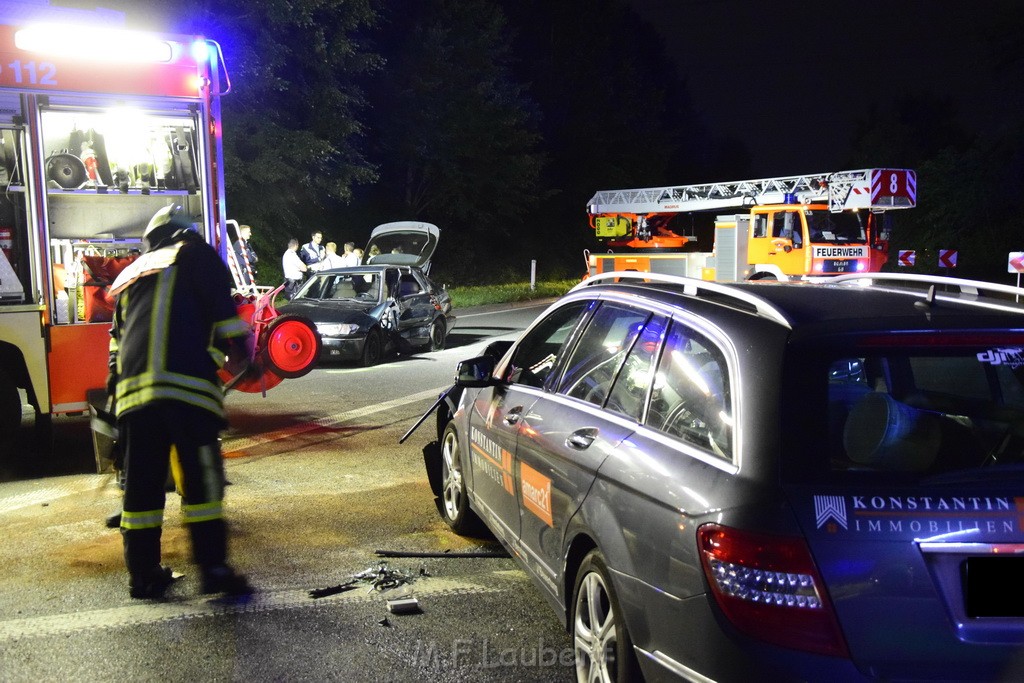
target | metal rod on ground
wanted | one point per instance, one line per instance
(440, 553)
(533, 275)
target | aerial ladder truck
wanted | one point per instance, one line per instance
(785, 228)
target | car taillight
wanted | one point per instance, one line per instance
(769, 588)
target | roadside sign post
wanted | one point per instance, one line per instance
(1015, 264)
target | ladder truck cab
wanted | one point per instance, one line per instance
(96, 136)
(789, 228)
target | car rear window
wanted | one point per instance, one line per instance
(913, 411)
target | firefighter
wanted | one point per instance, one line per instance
(174, 324)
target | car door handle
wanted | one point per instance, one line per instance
(581, 438)
(513, 416)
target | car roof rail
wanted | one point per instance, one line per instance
(693, 287)
(969, 287)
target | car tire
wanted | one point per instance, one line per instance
(10, 404)
(602, 647)
(373, 349)
(437, 335)
(454, 500)
(764, 277)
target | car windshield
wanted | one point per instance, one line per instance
(834, 228)
(925, 413)
(358, 286)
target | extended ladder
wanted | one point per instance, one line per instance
(874, 189)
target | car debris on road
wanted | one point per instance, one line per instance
(380, 577)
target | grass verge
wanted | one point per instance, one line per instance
(465, 297)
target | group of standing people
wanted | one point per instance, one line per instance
(297, 263)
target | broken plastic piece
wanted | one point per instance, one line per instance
(409, 605)
(332, 590)
(384, 578)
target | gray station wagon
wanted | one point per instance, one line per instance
(758, 481)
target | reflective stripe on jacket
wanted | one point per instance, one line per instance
(171, 330)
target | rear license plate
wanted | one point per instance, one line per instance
(993, 586)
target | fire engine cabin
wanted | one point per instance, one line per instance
(791, 228)
(95, 137)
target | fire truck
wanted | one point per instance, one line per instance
(96, 136)
(788, 228)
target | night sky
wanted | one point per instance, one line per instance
(790, 78)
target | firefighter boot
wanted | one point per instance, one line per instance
(223, 579)
(209, 547)
(147, 579)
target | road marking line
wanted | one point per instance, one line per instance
(74, 485)
(150, 612)
(502, 310)
(230, 446)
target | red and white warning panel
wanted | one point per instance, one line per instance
(893, 188)
(1016, 262)
(877, 189)
(907, 257)
(947, 258)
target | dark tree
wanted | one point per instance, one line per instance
(970, 184)
(453, 134)
(293, 120)
(615, 114)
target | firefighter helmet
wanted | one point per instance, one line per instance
(164, 227)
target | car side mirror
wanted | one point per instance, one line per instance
(476, 372)
(498, 349)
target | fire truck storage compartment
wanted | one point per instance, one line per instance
(107, 171)
(122, 148)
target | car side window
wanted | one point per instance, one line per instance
(760, 225)
(786, 225)
(408, 286)
(600, 352)
(537, 351)
(690, 398)
(630, 389)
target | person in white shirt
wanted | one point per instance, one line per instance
(332, 260)
(293, 268)
(350, 257)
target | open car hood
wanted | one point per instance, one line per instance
(403, 243)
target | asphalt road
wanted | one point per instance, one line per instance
(319, 486)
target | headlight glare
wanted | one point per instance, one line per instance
(336, 330)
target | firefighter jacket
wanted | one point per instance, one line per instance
(173, 326)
